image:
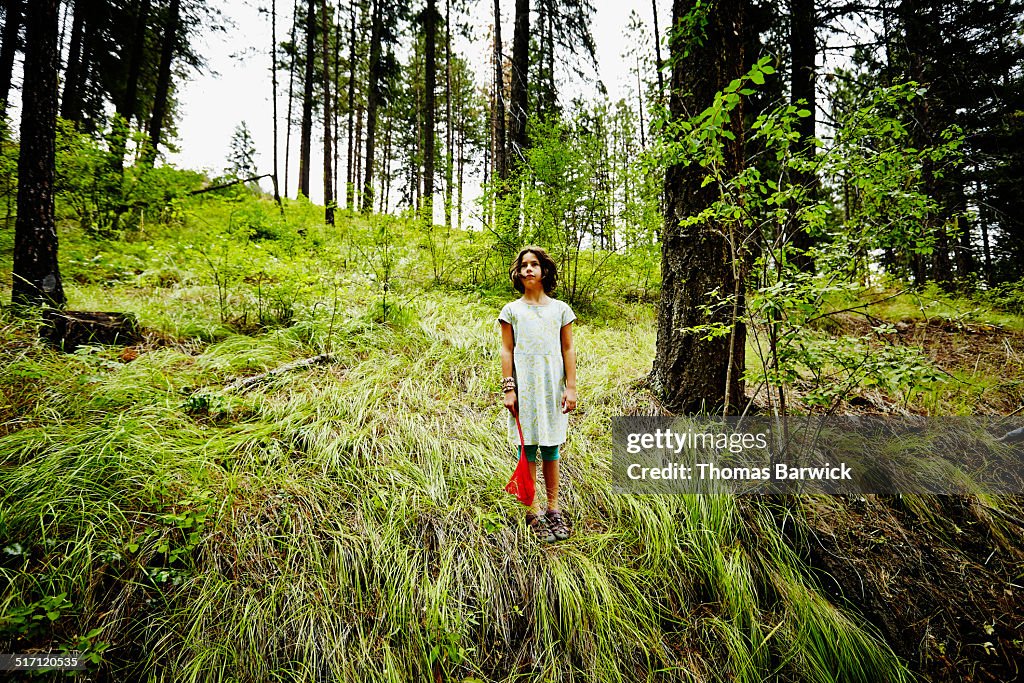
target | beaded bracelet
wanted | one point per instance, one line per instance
(508, 384)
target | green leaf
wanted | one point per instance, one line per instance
(804, 113)
(757, 77)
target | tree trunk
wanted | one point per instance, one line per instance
(337, 106)
(372, 100)
(657, 52)
(356, 147)
(328, 152)
(803, 51)
(163, 84)
(12, 27)
(430, 68)
(449, 135)
(350, 199)
(520, 65)
(128, 106)
(307, 100)
(36, 274)
(498, 142)
(71, 103)
(291, 98)
(692, 373)
(461, 158)
(273, 89)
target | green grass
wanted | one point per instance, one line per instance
(348, 522)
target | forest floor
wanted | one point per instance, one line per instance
(172, 527)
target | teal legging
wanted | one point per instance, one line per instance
(546, 452)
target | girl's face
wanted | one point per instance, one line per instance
(529, 268)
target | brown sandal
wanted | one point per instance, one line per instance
(540, 528)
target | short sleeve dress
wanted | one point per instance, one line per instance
(539, 370)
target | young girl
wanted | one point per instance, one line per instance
(538, 368)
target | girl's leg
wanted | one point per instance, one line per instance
(556, 522)
(551, 483)
(535, 507)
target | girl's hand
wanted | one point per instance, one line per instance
(511, 403)
(568, 400)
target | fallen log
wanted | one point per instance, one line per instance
(249, 382)
(231, 183)
(67, 330)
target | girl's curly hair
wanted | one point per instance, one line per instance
(548, 269)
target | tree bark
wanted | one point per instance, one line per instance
(498, 141)
(163, 84)
(71, 102)
(449, 135)
(36, 274)
(372, 101)
(350, 199)
(430, 68)
(128, 106)
(328, 152)
(12, 27)
(273, 89)
(336, 108)
(307, 100)
(520, 75)
(691, 372)
(291, 98)
(803, 53)
(657, 52)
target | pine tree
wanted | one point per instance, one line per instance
(692, 372)
(36, 273)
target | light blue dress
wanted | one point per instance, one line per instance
(539, 370)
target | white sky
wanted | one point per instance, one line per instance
(213, 104)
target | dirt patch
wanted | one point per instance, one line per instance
(940, 577)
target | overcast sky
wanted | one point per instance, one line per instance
(238, 88)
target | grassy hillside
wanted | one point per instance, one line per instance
(347, 521)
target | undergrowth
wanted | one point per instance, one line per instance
(348, 521)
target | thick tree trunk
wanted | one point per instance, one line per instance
(307, 100)
(430, 68)
(372, 101)
(498, 141)
(803, 52)
(691, 372)
(12, 27)
(71, 102)
(163, 84)
(520, 75)
(328, 152)
(36, 275)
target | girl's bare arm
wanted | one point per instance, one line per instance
(569, 360)
(507, 358)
